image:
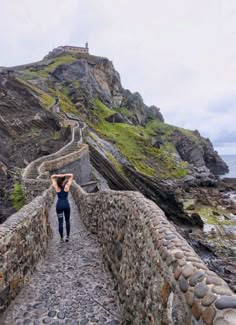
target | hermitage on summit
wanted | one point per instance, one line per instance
(75, 49)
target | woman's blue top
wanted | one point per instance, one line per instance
(62, 202)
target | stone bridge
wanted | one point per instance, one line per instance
(125, 263)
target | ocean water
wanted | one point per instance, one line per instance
(231, 162)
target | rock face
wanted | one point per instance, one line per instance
(200, 153)
(117, 118)
(141, 112)
(212, 160)
(26, 132)
(99, 79)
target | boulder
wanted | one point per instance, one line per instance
(157, 142)
(117, 118)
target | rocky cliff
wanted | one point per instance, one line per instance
(90, 87)
(27, 131)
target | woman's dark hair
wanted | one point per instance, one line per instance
(60, 181)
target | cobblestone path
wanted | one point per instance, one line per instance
(70, 286)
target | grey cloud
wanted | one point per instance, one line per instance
(180, 55)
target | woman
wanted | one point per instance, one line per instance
(62, 187)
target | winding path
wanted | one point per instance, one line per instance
(70, 286)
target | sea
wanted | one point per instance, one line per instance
(231, 162)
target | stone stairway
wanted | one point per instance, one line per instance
(71, 286)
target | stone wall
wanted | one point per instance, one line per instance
(77, 163)
(59, 162)
(34, 187)
(161, 280)
(24, 239)
(34, 165)
(80, 167)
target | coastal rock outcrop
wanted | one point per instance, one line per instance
(199, 152)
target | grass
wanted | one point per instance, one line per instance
(35, 132)
(45, 99)
(207, 214)
(65, 103)
(115, 163)
(56, 135)
(17, 197)
(76, 84)
(134, 142)
(46, 70)
(92, 135)
(124, 111)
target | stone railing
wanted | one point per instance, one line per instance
(33, 166)
(58, 163)
(24, 236)
(34, 187)
(24, 239)
(161, 280)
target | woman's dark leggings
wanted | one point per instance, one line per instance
(66, 212)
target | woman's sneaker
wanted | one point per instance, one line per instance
(67, 238)
(62, 240)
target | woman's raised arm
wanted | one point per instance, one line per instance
(69, 182)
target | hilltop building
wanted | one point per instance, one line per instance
(74, 49)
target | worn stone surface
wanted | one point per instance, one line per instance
(208, 315)
(143, 262)
(197, 310)
(188, 271)
(208, 299)
(70, 285)
(226, 302)
(213, 280)
(200, 290)
(196, 277)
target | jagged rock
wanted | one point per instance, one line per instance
(117, 118)
(99, 79)
(197, 219)
(200, 153)
(157, 142)
(20, 132)
(153, 112)
(212, 160)
(44, 150)
(140, 112)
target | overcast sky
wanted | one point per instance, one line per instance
(179, 54)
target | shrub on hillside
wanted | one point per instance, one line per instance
(17, 197)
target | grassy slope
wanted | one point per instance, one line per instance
(134, 142)
(30, 77)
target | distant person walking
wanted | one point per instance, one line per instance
(62, 187)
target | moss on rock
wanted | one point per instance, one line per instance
(134, 142)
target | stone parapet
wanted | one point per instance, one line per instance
(62, 161)
(34, 187)
(34, 165)
(24, 239)
(161, 280)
